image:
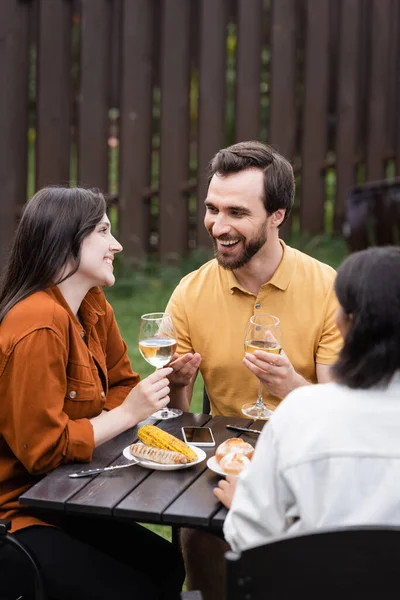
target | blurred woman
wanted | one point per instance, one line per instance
(67, 386)
(330, 454)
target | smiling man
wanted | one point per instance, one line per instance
(250, 195)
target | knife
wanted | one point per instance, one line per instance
(103, 469)
(236, 428)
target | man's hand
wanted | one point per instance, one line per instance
(185, 368)
(225, 490)
(275, 371)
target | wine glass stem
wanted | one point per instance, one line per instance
(164, 410)
(260, 402)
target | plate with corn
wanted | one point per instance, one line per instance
(156, 449)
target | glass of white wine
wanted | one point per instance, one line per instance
(263, 333)
(157, 345)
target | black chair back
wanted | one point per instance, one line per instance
(206, 402)
(9, 539)
(373, 215)
(349, 563)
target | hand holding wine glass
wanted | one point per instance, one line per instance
(149, 396)
(157, 345)
(263, 333)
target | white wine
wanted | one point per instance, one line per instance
(267, 346)
(157, 351)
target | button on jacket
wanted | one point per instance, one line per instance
(56, 373)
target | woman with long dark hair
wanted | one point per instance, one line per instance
(66, 386)
(330, 454)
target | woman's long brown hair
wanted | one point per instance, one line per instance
(48, 237)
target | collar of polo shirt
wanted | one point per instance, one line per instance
(280, 279)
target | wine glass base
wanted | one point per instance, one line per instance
(255, 412)
(167, 413)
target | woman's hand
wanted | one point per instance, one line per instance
(184, 369)
(225, 490)
(148, 396)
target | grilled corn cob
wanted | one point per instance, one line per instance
(154, 436)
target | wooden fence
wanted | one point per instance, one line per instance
(135, 97)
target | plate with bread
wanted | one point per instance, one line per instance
(232, 457)
(156, 449)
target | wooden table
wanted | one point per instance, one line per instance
(176, 498)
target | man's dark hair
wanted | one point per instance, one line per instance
(279, 184)
(368, 288)
(49, 235)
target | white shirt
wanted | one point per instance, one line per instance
(329, 456)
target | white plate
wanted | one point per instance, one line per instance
(149, 464)
(213, 464)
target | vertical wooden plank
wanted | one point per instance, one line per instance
(14, 44)
(248, 69)
(346, 120)
(282, 97)
(53, 93)
(93, 94)
(363, 78)
(397, 140)
(265, 82)
(394, 66)
(22, 103)
(115, 60)
(301, 20)
(194, 37)
(136, 126)
(312, 208)
(174, 128)
(157, 17)
(282, 116)
(379, 72)
(212, 97)
(335, 9)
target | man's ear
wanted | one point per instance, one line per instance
(277, 217)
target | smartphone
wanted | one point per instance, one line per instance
(198, 436)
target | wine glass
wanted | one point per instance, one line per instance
(263, 333)
(157, 345)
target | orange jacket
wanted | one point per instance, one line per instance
(55, 375)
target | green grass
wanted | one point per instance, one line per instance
(149, 289)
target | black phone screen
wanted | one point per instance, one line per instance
(197, 435)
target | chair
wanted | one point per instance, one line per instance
(373, 215)
(206, 402)
(7, 538)
(351, 563)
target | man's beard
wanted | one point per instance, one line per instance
(247, 254)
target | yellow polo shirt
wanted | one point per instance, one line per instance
(211, 312)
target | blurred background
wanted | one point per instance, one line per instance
(135, 96)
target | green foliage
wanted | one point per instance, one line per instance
(326, 248)
(151, 275)
(148, 289)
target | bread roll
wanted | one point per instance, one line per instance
(234, 463)
(236, 445)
